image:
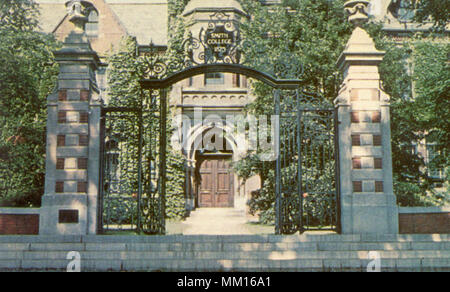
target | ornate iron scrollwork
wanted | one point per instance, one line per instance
(218, 43)
(290, 214)
(154, 64)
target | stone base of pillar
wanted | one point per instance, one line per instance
(369, 214)
(63, 215)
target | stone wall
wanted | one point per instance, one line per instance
(412, 220)
(19, 221)
(416, 220)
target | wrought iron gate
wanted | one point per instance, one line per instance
(307, 191)
(119, 168)
(133, 167)
(134, 150)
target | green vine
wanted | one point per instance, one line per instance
(124, 91)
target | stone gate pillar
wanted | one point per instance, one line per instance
(70, 202)
(368, 203)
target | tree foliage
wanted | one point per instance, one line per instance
(296, 39)
(306, 34)
(415, 74)
(315, 33)
(27, 76)
(18, 15)
(437, 11)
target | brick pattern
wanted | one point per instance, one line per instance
(361, 116)
(20, 224)
(61, 141)
(84, 118)
(376, 140)
(60, 163)
(83, 140)
(68, 117)
(354, 117)
(356, 140)
(361, 137)
(62, 117)
(378, 163)
(84, 95)
(62, 95)
(356, 162)
(82, 163)
(424, 223)
(376, 117)
(59, 187)
(82, 187)
(357, 187)
(66, 161)
(379, 187)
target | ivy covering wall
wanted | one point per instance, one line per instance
(124, 72)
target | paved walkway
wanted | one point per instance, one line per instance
(220, 221)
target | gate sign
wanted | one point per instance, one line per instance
(220, 41)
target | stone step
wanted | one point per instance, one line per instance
(174, 255)
(227, 246)
(307, 237)
(306, 252)
(427, 264)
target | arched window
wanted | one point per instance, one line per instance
(92, 23)
(403, 10)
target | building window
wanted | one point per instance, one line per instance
(236, 80)
(403, 10)
(214, 78)
(432, 158)
(92, 23)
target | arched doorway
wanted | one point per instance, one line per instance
(214, 178)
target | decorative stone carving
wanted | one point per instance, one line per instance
(358, 11)
(76, 10)
(229, 99)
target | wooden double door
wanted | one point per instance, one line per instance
(215, 182)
